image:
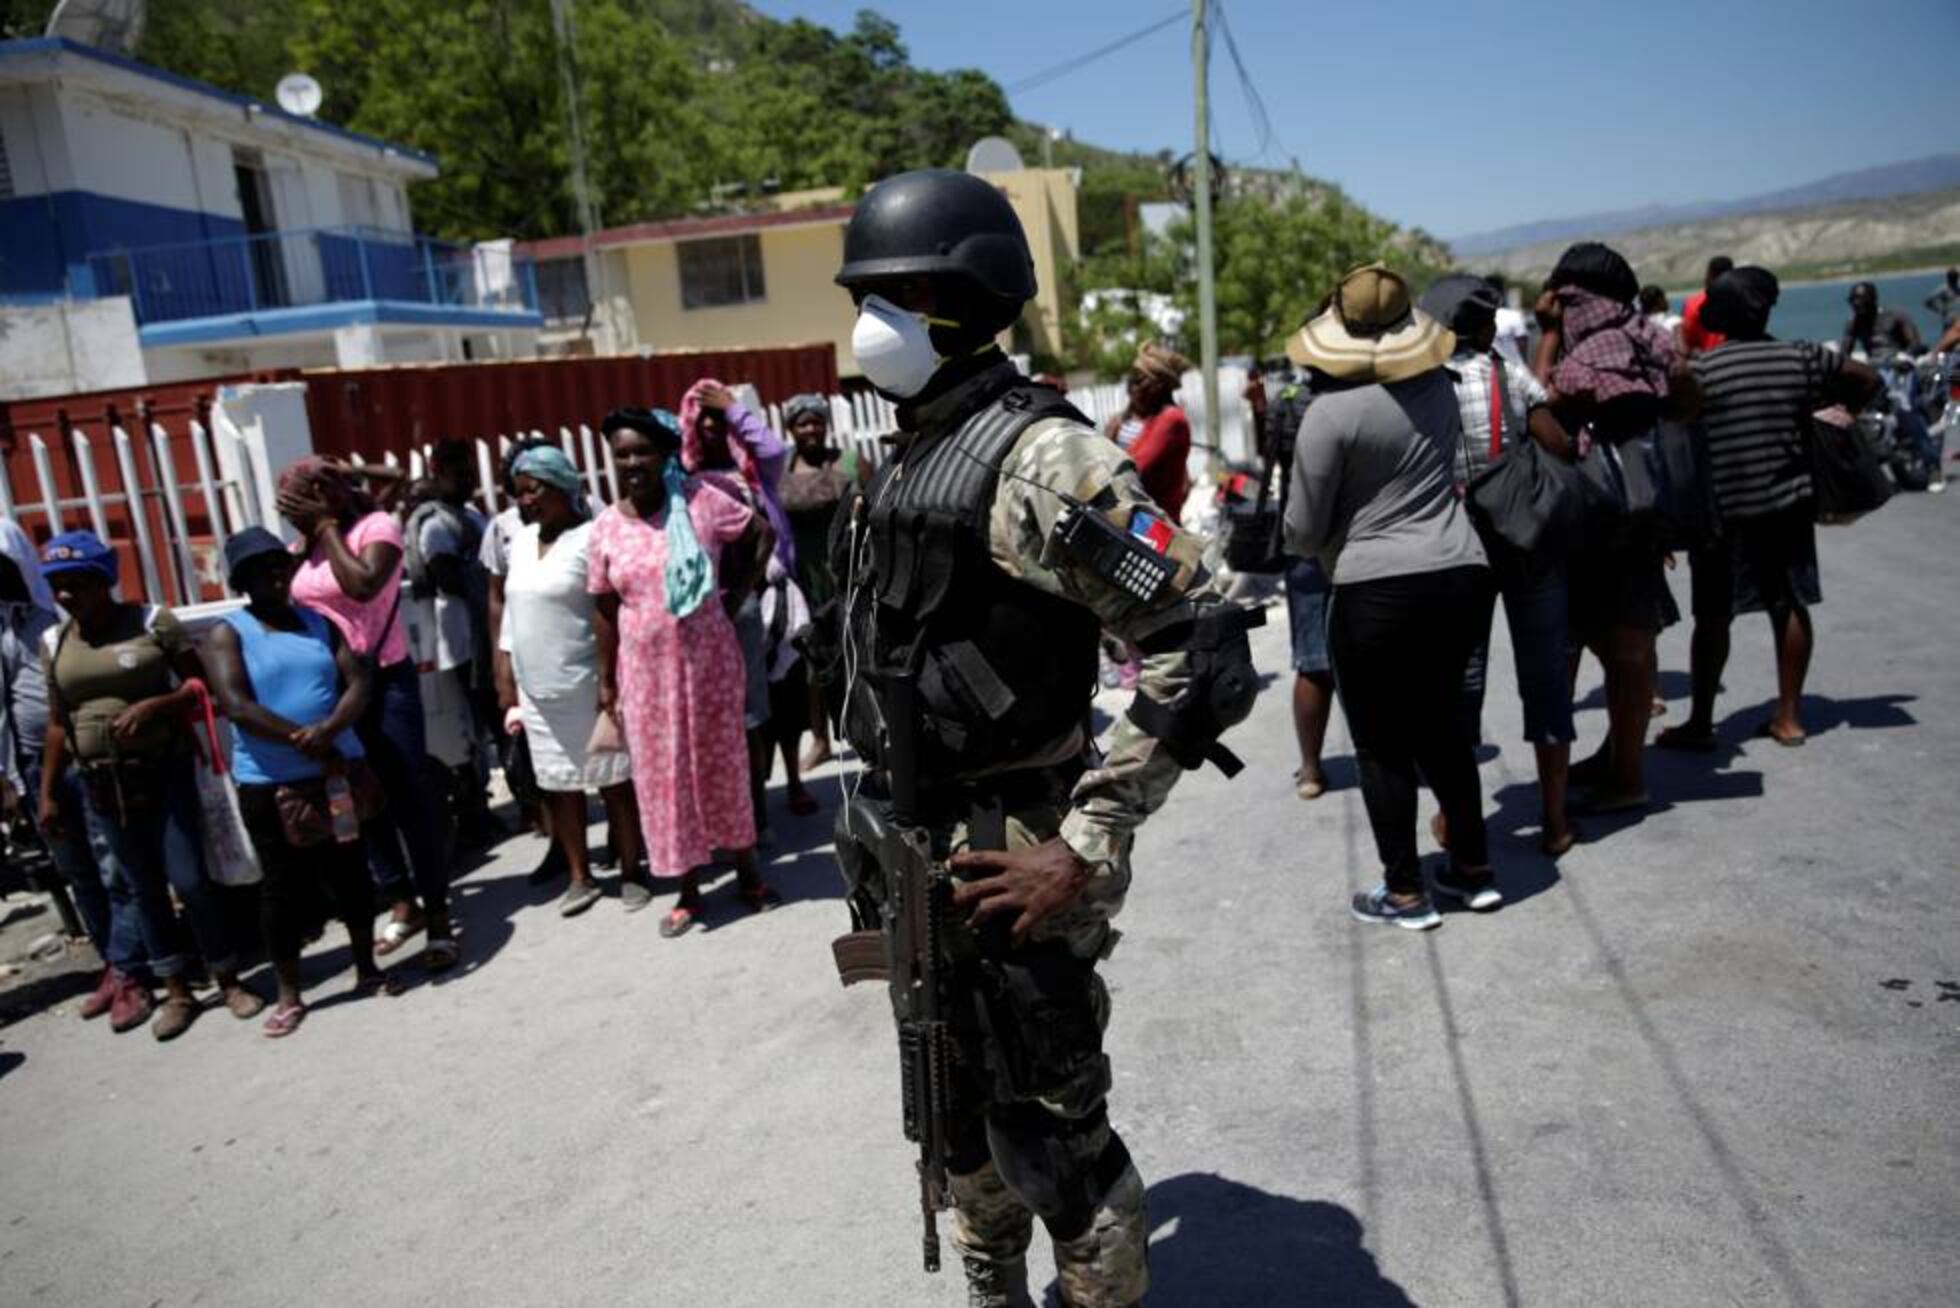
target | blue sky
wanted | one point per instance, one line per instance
(1466, 116)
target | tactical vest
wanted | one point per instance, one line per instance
(956, 666)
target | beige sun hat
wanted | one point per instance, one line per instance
(1371, 331)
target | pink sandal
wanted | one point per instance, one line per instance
(285, 1020)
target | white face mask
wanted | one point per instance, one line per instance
(894, 348)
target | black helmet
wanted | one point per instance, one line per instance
(938, 222)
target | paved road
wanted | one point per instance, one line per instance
(1708, 1059)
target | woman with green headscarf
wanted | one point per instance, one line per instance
(670, 670)
(547, 632)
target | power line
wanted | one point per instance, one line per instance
(1061, 70)
(1255, 103)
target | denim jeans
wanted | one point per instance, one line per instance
(106, 905)
(154, 852)
(396, 744)
(1537, 610)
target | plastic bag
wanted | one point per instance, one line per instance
(229, 858)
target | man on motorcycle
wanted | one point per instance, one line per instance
(1878, 333)
(1890, 339)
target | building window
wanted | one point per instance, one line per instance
(562, 292)
(357, 202)
(726, 270)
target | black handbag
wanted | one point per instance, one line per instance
(1528, 497)
(1655, 484)
(1847, 480)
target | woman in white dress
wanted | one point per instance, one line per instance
(548, 633)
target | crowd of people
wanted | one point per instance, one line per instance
(641, 653)
(1402, 539)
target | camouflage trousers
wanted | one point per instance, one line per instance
(1061, 1141)
(1104, 1267)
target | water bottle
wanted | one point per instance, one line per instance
(340, 807)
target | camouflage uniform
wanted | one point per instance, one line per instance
(1104, 1266)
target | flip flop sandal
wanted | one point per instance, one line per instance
(1309, 787)
(578, 898)
(396, 934)
(1788, 742)
(634, 894)
(284, 1021)
(678, 922)
(243, 1004)
(440, 956)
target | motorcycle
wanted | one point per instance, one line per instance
(1907, 424)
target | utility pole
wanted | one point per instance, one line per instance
(588, 213)
(1207, 288)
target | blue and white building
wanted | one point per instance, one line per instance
(241, 235)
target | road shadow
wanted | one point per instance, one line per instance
(1674, 686)
(1821, 714)
(47, 990)
(10, 1059)
(1523, 869)
(1218, 1242)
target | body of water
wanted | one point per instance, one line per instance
(1818, 311)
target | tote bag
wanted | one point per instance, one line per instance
(229, 857)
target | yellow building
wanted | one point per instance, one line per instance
(743, 281)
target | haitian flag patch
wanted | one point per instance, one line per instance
(1153, 531)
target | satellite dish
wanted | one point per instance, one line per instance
(112, 25)
(994, 154)
(299, 94)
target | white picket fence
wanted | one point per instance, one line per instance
(219, 486)
(234, 464)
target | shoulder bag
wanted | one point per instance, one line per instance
(1528, 497)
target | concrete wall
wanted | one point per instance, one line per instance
(1044, 200)
(68, 346)
(801, 305)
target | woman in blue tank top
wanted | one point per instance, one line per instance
(294, 690)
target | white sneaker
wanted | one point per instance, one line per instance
(1936, 487)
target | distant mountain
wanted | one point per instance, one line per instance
(1817, 240)
(1937, 172)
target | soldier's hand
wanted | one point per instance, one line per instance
(1034, 883)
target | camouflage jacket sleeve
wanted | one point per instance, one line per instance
(1136, 775)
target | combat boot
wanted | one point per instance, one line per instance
(1107, 1266)
(991, 1229)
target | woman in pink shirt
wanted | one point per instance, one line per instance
(351, 572)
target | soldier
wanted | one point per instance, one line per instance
(975, 573)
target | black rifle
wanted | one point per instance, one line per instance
(902, 904)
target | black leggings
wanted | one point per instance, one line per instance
(294, 877)
(1400, 646)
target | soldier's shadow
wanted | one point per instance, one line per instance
(1219, 1244)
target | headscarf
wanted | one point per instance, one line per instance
(1598, 268)
(799, 405)
(15, 545)
(693, 450)
(1611, 350)
(1160, 363)
(322, 479)
(1739, 302)
(690, 576)
(550, 465)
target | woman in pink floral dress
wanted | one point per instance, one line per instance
(670, 669)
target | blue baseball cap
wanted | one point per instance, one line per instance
(249, 544)
(78, 551)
